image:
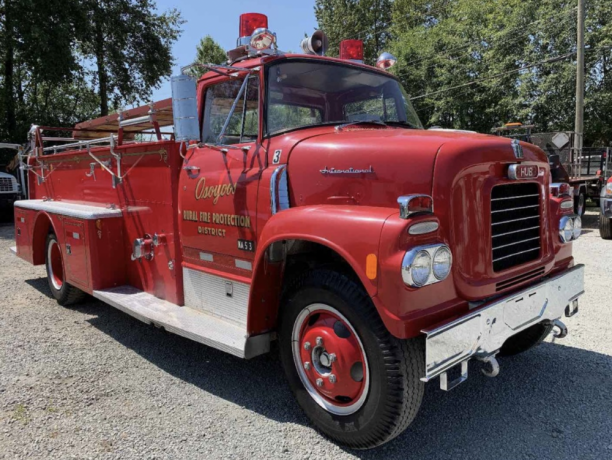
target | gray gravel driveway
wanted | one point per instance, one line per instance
(91, 382)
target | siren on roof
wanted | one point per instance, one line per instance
(317, 43)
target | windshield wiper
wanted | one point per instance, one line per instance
(351, 123)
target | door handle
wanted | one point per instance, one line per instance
(192, 171)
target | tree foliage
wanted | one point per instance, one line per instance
(130, 46)
(475, 64)
(63, 61)
(208, 51)
(367, 20)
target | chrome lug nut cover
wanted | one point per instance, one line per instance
(332, 357)
(307, 365)
(319, 382)
(319, 341)
(332, 378)
(307, 346)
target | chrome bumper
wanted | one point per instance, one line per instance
(606, 206)
(481, 333)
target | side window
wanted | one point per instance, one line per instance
(244, 123)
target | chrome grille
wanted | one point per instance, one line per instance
(515, 224)
(6, 184)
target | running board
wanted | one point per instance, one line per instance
(13, 249)
(187, 322)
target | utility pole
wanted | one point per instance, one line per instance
(579, 125)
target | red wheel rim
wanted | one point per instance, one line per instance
(330, 359)
(55, 267)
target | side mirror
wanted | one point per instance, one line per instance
(185, 108)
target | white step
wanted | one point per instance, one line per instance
(187, 322)
(14, 249)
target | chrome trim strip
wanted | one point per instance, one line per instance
(244, 264)
(516, 231)
(80, 211)
(273, 188)
(514, 197)
(517, 254)
(516, 220)
(516, 242)
(516, 209)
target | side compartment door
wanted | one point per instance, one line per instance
(75, 253)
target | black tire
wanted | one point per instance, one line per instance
(526, 340)
(394, 392)
(605, 227)
(64, 293)
(580, 203)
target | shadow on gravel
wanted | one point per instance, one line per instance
(590, 220)
(551, 402)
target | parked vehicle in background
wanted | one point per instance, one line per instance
(584, 169)
(300, 199)
(605, 218)
(10, 190)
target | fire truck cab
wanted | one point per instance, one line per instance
(300, 199)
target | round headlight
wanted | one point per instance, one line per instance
(577, 227)
(421, 268)
(442, 262)
(568, 230)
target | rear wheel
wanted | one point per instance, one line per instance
(358, 384)
(605, 227)
(526, 340)
(64, 293)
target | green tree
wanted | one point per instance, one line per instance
(208, 51)
(130, 46)
(367, 20)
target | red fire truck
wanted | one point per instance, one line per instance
(299, 199)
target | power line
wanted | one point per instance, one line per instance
(473, 82)
(492, 77)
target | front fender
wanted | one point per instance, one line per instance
(353, 232)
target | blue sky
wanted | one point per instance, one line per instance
(290, 19)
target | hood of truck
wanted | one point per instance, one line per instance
(373, 167)
(370, 167)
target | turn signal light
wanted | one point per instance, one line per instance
(351, 49)
(249, 22)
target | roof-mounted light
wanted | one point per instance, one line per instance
(262, 39)
(386, 61)
(352, 50)
(249, 23)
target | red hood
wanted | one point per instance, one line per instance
(397, 162)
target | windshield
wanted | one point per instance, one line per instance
(309, 93)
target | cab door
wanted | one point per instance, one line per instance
(219, 182)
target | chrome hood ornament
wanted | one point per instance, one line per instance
(517, 148)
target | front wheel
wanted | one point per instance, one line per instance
(358, 384)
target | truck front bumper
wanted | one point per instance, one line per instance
(606, 207)
(481, 333)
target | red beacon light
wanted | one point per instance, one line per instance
(351, 50)
(249, 22)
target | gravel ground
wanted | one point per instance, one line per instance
(91, 382)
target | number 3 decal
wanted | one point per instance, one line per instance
(277, 157)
